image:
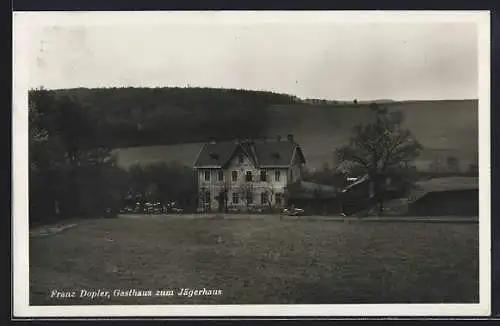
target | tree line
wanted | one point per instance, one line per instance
(124, 117)
(71, 174)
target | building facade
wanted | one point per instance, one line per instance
(247, 175)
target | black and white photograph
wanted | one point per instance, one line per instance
(265, 163)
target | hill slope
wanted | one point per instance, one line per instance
(138, 120)
(445, 128)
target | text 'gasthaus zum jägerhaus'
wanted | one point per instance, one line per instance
(133, 293)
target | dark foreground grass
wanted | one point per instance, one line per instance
(258, 261)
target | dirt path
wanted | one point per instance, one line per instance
(49, 230)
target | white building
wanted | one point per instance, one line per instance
(247, 174)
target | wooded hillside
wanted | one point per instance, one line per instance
(149, 116)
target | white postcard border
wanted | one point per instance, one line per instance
(26, 23)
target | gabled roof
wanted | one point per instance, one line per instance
(215, 154)
(262, 153)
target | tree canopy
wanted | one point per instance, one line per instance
(381, 149)
(69, 174)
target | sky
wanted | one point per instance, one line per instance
(310, 59)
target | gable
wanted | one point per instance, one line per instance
(234, 160)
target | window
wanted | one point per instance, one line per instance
(207, 197)
(240, 158)
(235, 198)
(278, 198)
(277, 175)
(264, 198)
(235, 175)
(207, 175)
(263, 175)
(248, 176)
(221, 175)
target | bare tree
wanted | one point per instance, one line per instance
(379, 149)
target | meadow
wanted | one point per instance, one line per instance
(257, 261)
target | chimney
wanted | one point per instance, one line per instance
(278, 138)
(290, 137)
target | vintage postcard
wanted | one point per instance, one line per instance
(273, 164)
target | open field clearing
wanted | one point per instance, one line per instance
(257, 261)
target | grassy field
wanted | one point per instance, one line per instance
(267, 261)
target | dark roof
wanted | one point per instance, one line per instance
(262, 153)
(276, 153)
(223, 152)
